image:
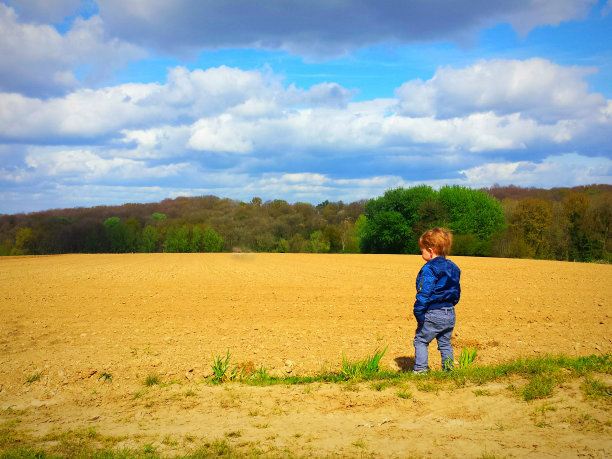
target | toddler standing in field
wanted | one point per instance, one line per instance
(438, 292)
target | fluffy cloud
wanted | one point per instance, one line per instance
(320, 28)
(236, 133)
(76, 165)
(185, 98)
(491, 106)
(575, 168)
(35, 59)
(536, 88)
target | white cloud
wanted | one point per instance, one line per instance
(36, 60)
(240, 134)
(536, 88)
(85, 166)
(568, 169)
(233, 111)
(185, 98)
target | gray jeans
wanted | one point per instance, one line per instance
(439, 324)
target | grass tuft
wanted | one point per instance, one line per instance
(367, 368)
(222, 371)
(467, 357)
(152, 380)
(593, 388)
(34, 377)
(539, 386)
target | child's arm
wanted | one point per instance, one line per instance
(426, 282)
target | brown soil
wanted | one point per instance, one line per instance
(73, 319)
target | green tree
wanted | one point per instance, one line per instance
(386, 232)
(23, 240)
(132, 235)
(211, 240)
(177, 240)
(282, 245)
(196, 243)
(333, 236)
(297, 243)
(317, 243)
(115, 234)
(575, 206)
(390, 220)
(472, 211)
(531, 222)
(148, 240)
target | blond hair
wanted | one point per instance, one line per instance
(438, 239)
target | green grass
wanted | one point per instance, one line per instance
(105, 377)
(362, 369)
(152, 380)
(595, 389)
(34, 377)
(540, 377)
(550, 369)
(539, 386)
(467, 357)
(222, 372)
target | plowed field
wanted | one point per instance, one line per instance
(79, 334)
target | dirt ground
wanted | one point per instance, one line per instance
(70, 323)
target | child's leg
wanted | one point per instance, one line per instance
(425, 333)
(444, 338)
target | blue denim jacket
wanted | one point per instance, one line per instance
(437, 286)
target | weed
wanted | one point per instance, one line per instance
(467, 357)
(595, 389)
(190, 393)
(487, 455)
(167, 440)
(34, 377)
(106, 377)
(138, 394)
(379, 385)
(260, 375)
(539, 415)
(404, 393)
(481, 392)
(359, 444)
(221, 369)
(362, 369)
(350, 386)
(539, 386)
(234, 434)
(7, 433)
(427, 386)
(152, 380)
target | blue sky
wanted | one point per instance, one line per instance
(113, 101)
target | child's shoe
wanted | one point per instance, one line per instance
(420, 372)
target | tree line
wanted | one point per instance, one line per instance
(561, 223)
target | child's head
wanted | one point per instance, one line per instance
(439, 240)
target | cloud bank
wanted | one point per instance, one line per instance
(71, 135)
(233, 132)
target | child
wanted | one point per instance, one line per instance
(438, 291)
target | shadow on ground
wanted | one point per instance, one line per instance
(405, 363)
